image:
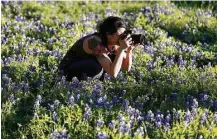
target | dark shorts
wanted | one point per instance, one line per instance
(82, 69)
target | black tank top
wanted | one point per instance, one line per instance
(76, 52)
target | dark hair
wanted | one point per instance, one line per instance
(110, 25)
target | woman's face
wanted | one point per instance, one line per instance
(113, 39)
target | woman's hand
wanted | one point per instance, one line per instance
(132, 47)
(125, 43)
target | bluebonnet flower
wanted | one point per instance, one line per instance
(167, 119)
(87, 114)
(108, 105)
(48, 53)
(124, 128)
(98, 88)
(50, 41)
(194, 112)
(59, 135)
(37, 102)
(141, 75)
(14, 87)
(159, 117)
(12, 99)
(194, 103)
(5, 79)
(56, 102)
(114, 99)
(63, 134)
(181, 61)
(121, 77)
(107, 76)
(4, 40)
(166, 127)
(121, 118)
(150, 115)
(77, 97)
(52, 108)
(112, 124)
(99, 122)
(137, 113)
(101, 100)
(90, 101)
(203, 118)
(204, 97)
(158, 124)
(25, 87)
(124, 103)
(101, 135)
(51, 30)
(170, 62)
(32, 68)
(71, 101)
(139, 104)
(41, 81)
(214, 118)
(55, 135)
(187, 118)
(54, 116)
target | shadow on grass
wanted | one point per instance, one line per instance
(196, 4)
(207, 36)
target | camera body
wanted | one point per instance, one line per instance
(136, 38)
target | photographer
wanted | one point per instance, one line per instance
(108, 51)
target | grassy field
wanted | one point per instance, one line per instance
(171, 91)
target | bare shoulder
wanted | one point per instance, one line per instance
(93, 42)
(93, 45)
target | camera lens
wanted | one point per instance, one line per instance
(138, 38)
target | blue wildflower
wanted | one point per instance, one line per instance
(71, 101)
(194, 103)
(101, 135)
(99, 122)
(55, 135)
(54, 116)
(204, 97)
(87, 114)
(112, 124)
(124, 128)
(52, 108)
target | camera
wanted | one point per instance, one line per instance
(136, 38)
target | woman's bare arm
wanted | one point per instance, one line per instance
(127, 61)
(91, 45)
